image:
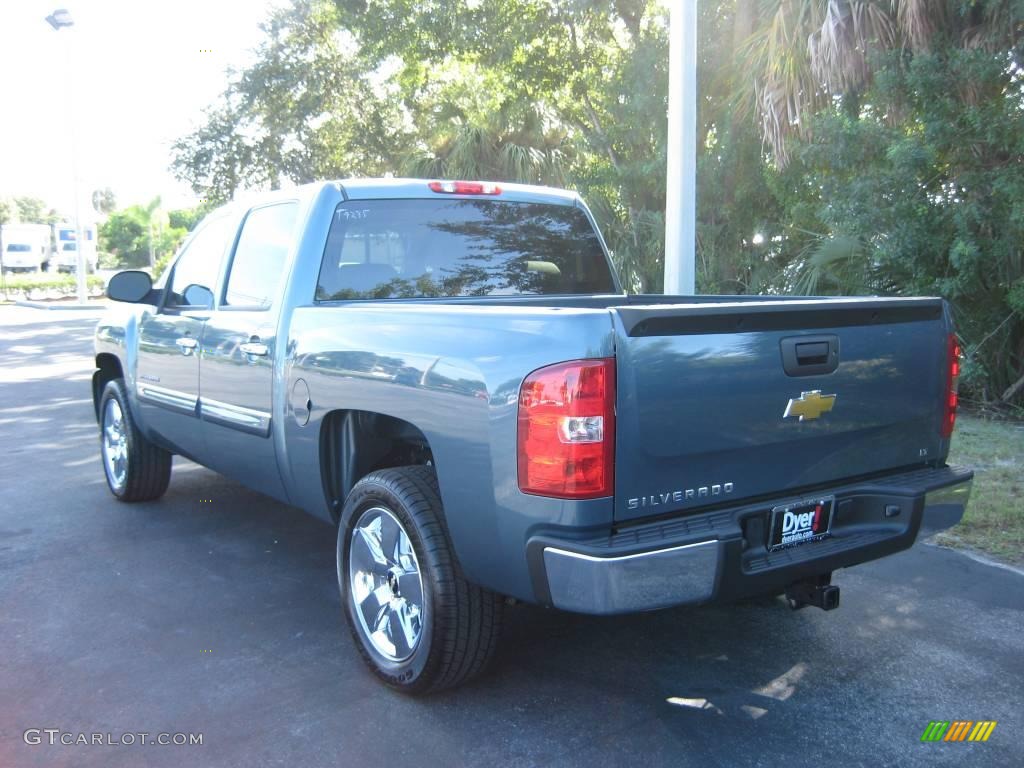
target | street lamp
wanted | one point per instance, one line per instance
(59, 19)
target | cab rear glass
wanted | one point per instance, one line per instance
(422, 248)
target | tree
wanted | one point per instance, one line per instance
(131, 234)
(125, 235)
(803, 54)
(104, 201)
(300, 113)
(187, 218)
(29, 210)
(844, 145)
(929, 204)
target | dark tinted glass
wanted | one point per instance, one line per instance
(379, 249)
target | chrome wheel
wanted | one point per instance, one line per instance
(385, 585)
(115, 445)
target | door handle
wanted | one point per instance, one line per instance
(254, 349)
(810, 355)
(186, 344)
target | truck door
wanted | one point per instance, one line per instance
(167, 374)
(239, 349)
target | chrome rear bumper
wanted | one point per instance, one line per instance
(944, 507)
(721, 555)
(644, 581)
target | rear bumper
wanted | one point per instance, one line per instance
(722, 555)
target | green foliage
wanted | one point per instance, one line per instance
(931, 204)
(993, 522)
(30, 285)
(128, 234)
(27, 210)
(305, 110)
(162, 264)
(187, 218)
(125, 235)
(844, 146)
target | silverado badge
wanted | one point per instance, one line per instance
(810, 405)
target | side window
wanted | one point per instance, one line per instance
(258, 266)
(199, 264)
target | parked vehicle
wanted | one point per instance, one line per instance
(25, 247)
(449, 373)
(65, 258)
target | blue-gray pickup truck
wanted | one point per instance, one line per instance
(451, 375)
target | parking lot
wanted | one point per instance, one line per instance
(215, 611)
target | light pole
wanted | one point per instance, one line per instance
(59, 19)
(681, 171)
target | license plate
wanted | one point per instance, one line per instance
(800, 522)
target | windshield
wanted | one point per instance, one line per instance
(68, 247)
(379, 249)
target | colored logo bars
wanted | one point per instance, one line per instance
(958, 730)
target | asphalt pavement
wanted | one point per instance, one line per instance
(214, 611)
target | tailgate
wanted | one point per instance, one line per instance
(702, 390)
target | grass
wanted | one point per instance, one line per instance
(994, 521)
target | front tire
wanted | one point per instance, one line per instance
(418, 624)
(135, 468)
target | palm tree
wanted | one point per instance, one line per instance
(804, 53)
(493, 146)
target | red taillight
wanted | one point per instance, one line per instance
(465, 187)
(567, 430)
(950, 398)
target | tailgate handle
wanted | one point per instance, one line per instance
(810, 355)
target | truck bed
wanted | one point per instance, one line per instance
(702, 386)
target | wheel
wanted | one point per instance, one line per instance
(418, 624)
(136, 469)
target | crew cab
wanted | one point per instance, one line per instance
(450, 375)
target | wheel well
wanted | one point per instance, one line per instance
(108, 368)
(355, 443)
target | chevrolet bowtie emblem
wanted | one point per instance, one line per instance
(810, 405)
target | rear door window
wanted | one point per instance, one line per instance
(379, 249)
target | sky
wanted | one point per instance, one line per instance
(129, 78)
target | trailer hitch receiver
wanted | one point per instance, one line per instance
(817, 591)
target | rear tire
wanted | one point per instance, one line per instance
(135, 468)
(418, 624)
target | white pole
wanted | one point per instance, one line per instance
(681, 172)
(83, 294)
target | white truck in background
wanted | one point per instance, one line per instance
(65, 258)
(25, 247)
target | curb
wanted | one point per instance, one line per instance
(977, 557)
(60, 305)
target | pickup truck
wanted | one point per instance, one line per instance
(450, 374)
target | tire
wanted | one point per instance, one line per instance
(438, 637)
(135, 468)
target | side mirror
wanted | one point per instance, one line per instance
(132, 286)
(196, 295)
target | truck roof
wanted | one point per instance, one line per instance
(375, 189)
(399, 189)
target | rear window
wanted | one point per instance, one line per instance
(380, 249)
(18, 248)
